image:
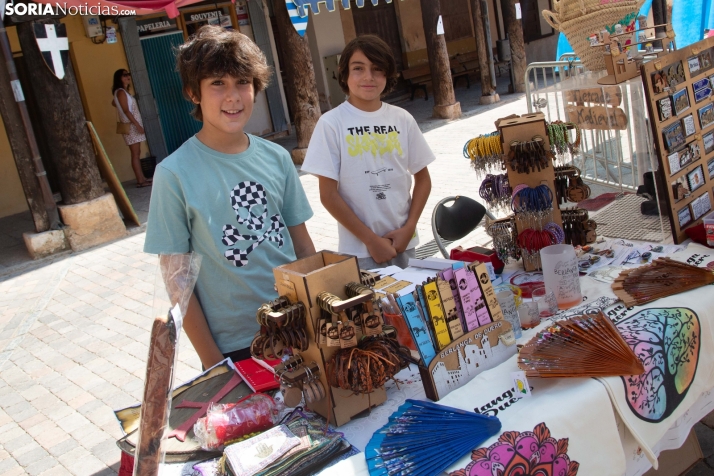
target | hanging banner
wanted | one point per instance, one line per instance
(297, 9)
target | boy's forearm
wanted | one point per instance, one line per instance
(422, 189)
(198, 332)
(302, 243)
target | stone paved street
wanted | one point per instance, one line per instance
(74, 330)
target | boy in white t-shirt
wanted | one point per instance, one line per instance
(364, 153)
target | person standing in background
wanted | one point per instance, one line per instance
(128, 113)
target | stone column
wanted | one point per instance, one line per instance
(301, 87)
(445, 105)
(514, 29)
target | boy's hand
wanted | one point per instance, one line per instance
(400, 238)
(381, 249)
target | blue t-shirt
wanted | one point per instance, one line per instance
(233, 210)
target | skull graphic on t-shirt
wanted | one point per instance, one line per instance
(250, 203)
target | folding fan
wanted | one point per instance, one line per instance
(661, 278)
(582, 346)
(423, 438)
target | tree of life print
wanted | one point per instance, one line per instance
(667, 343)
(527, 453)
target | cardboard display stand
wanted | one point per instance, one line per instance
(678, 88)
(302, 281)
(521, 129)
(460, 361)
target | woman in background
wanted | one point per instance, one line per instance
(128, 113)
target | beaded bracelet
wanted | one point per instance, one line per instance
(485, 152)
(532, 200)
(555, 230)
(559, 136)
(496, 190)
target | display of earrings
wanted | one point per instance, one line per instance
(560, 141)
(579, 229)
(368, 367)
(282, 325)
(569, 185)
(485, 153)
(528, 156)
(505, 236)
(298, 381)
(496, 191)
(343, 322)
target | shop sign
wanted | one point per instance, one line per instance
(242, 14)
(597, 117)
(208, 17)
(610, 95)
(155, 25)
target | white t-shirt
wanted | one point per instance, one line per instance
(373, 156)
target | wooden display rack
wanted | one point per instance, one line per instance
(619, 67)
(303, 280)
(524, 128)
(684, 212)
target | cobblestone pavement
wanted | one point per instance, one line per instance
(74, 331)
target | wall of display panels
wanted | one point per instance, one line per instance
(678, 87)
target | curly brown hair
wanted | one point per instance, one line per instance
(215, 52)
(377, 51)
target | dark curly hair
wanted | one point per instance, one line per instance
(377, 51)
(214, 52)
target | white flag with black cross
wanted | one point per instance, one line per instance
(54, 46)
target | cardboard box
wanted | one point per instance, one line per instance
(303, 280)
(680, 461)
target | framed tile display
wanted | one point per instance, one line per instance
(702, 94)
(695, 178)
(694, 65)
(682, 143)
(684, 216)
(708, 142)
(688, 123)
(700, 206)
(694, 151)
(706, 116)
(673, 136)
(674, 163)
(660, 82)
(702, 83)
(680, 99)
(664, 106)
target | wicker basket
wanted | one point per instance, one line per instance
(578, 19)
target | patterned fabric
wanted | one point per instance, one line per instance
(133, 137)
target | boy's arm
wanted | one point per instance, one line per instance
(196, 327)
(379, 248)
(301, 240)
(422, 188)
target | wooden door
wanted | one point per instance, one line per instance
(380, 20)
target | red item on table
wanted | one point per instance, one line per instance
(229, 421)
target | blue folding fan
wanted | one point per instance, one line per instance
(423, 438)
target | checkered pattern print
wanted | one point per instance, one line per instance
(245, 196)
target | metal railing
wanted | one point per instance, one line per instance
(610, 157)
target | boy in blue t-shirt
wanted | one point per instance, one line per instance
(231, 197)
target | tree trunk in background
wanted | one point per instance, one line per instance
(12, 120)
(64, 124)
(301, 86)
(445, 105)
(486, 88)
(514, 30)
